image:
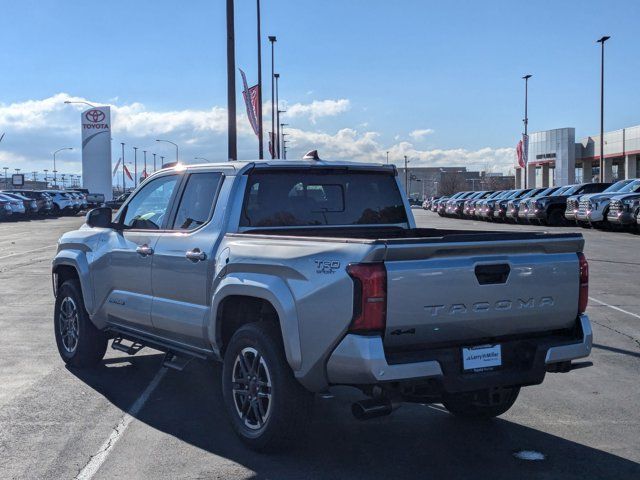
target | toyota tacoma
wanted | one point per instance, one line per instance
(304, 275)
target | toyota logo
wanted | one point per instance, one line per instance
(94, 116)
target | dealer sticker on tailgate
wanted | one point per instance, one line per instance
(481, 358)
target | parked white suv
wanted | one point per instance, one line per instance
(593, 209)
(62, 202)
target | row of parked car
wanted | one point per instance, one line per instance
(17, 204)
(600, 205)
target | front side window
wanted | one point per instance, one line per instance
(284, 198)
(148, 208)
(197, 201)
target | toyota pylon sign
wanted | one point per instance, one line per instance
(96, 151)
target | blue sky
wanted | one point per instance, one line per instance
(376, 70)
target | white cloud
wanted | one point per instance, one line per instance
(348, 144)
(35, 128)
(421, 133)
(318, 108)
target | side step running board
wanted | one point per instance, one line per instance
(130, 348)
(176, 362)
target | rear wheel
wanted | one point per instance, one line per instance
(79, 342)
(481, 404)
(268, 408)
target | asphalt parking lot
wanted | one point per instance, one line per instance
(127, 420)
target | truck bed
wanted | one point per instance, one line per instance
(405, 235)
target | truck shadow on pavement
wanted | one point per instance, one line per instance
(416, 441)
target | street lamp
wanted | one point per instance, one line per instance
(272, 39)
(69, 102)
(232, 135)
(55, 180)
(387, 158)
(525, 142)
(406, 174)
(123, 169)
(145, 164)
(601, 42)
(280, 131)
(276, 76)
(175, 145)
(45, 177)
(135, 167)
(260, 132)
(6, 181)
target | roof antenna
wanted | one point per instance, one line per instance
(311, 155)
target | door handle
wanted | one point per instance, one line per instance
(144, 250)
(196, 255)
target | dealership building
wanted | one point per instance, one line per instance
(555, 158)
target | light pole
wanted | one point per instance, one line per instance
(280, 131)
(282, 134)
(387, 158)
(175, 145)
(601, 42)
(231, 84)
(406, 173)
(273, 40)
(46, 172)
(55, 180)
(69, 102)
(201, 158)
(145, 163)
(260, 132)
(277, 130)
(525, 139)
(135, 167)
(123, 168)
(161, 161)
(154, 162)
(6, 180)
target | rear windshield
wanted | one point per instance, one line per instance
(299, 197)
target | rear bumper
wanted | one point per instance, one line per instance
(362, 360)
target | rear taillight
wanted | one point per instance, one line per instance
(370, 297)
(583, 297)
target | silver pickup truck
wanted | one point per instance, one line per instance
(303, 275)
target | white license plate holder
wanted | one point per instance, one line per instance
(481, 358)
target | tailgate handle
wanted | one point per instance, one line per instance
(492, 274)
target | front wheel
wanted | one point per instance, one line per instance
(79, 342)
(268, 408)
(482, 404)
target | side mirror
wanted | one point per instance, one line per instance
(100, 218)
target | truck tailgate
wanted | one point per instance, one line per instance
(457, 292)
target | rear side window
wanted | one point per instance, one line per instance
(303, 197)
(198, 200)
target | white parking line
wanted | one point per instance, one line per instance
(615, 308)
(98, 459)
(28, 252)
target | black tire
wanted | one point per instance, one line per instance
(90, 344)
(289, 408)
(556, 218)
(481, 404)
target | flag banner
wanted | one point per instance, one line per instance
(272, 140)
(115, 170)
(250, 96)
(525, 149)
(126, 170)
(519, 153)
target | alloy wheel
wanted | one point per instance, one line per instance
(251, 381)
